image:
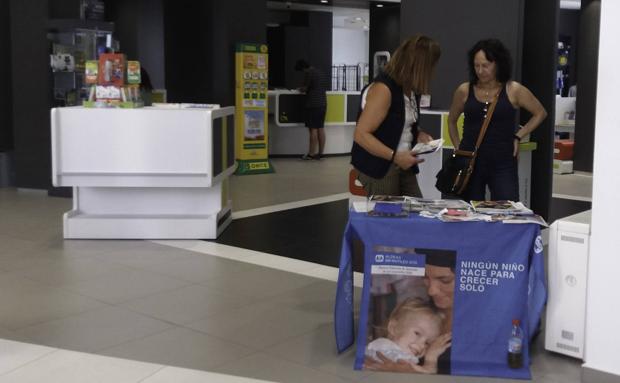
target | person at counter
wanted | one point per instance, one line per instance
(387, 127)
(315, 85)
(490, 67)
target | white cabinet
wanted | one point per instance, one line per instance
(144, 173)
(569, 242)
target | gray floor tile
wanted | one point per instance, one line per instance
(181, 347)
(187, 304)
(68, 271)
(259, 282)
(199, 268)
(260, 325)
(125, 284)
(317, 297)
(24, 303)
(94, 330)
(11, 245)
(183, 375)
(317, 349)
(146, 255)
(72, 367)
(16, 354)
(262, 366)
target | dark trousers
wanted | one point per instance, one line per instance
(500, 175)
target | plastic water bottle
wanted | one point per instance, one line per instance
(515, 346)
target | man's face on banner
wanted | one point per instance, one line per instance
(439, 283)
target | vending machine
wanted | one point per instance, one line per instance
(251, 80)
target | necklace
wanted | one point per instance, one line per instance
(487, 91)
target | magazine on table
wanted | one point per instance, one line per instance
(501, 207)
(437, 205)
(388, 206)
(427, 147)
(460, 215)
(515, 219)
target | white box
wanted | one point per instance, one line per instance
(569, 240)
(562, 167)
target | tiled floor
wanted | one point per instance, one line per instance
(183, 311)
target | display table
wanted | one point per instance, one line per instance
(498, 272)
(144, 173)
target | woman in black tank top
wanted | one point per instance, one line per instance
(496, 165)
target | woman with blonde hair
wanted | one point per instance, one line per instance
(387, 127)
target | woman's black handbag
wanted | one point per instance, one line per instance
(456, 171)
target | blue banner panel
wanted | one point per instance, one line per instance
(442, 297)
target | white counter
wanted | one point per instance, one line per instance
(144, 173)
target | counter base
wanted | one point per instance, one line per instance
(78, 225)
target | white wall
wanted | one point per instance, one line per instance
(603, 308)
(349, 46)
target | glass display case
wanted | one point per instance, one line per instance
(73, 42)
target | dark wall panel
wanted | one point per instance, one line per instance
(138, 25)
(384, 31)
(457, 25)
(294, 51)
(199, 41)
(275, 40)
(309, 37)
(6, 112)
(237, 21)
(31, 92)
(540, 32)
(587, 73)
(151, 51)
(187, 41)
(320, 43)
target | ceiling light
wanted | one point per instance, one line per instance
(379, 5)
(324, 1)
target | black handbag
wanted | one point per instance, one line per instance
(456, 171)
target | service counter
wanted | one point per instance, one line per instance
(288, 134)
(144, 173)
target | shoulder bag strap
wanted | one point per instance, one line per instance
(483, 130)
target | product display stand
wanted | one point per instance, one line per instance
(144, 173)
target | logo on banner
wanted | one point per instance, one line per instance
(379, 258)
(538, 245)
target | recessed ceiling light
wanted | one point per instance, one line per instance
(324, 1)
(379, 5)
(358, 19)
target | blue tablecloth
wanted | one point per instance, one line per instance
(482, 312)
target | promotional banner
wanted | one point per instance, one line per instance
(251, 79)
(466, 305)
